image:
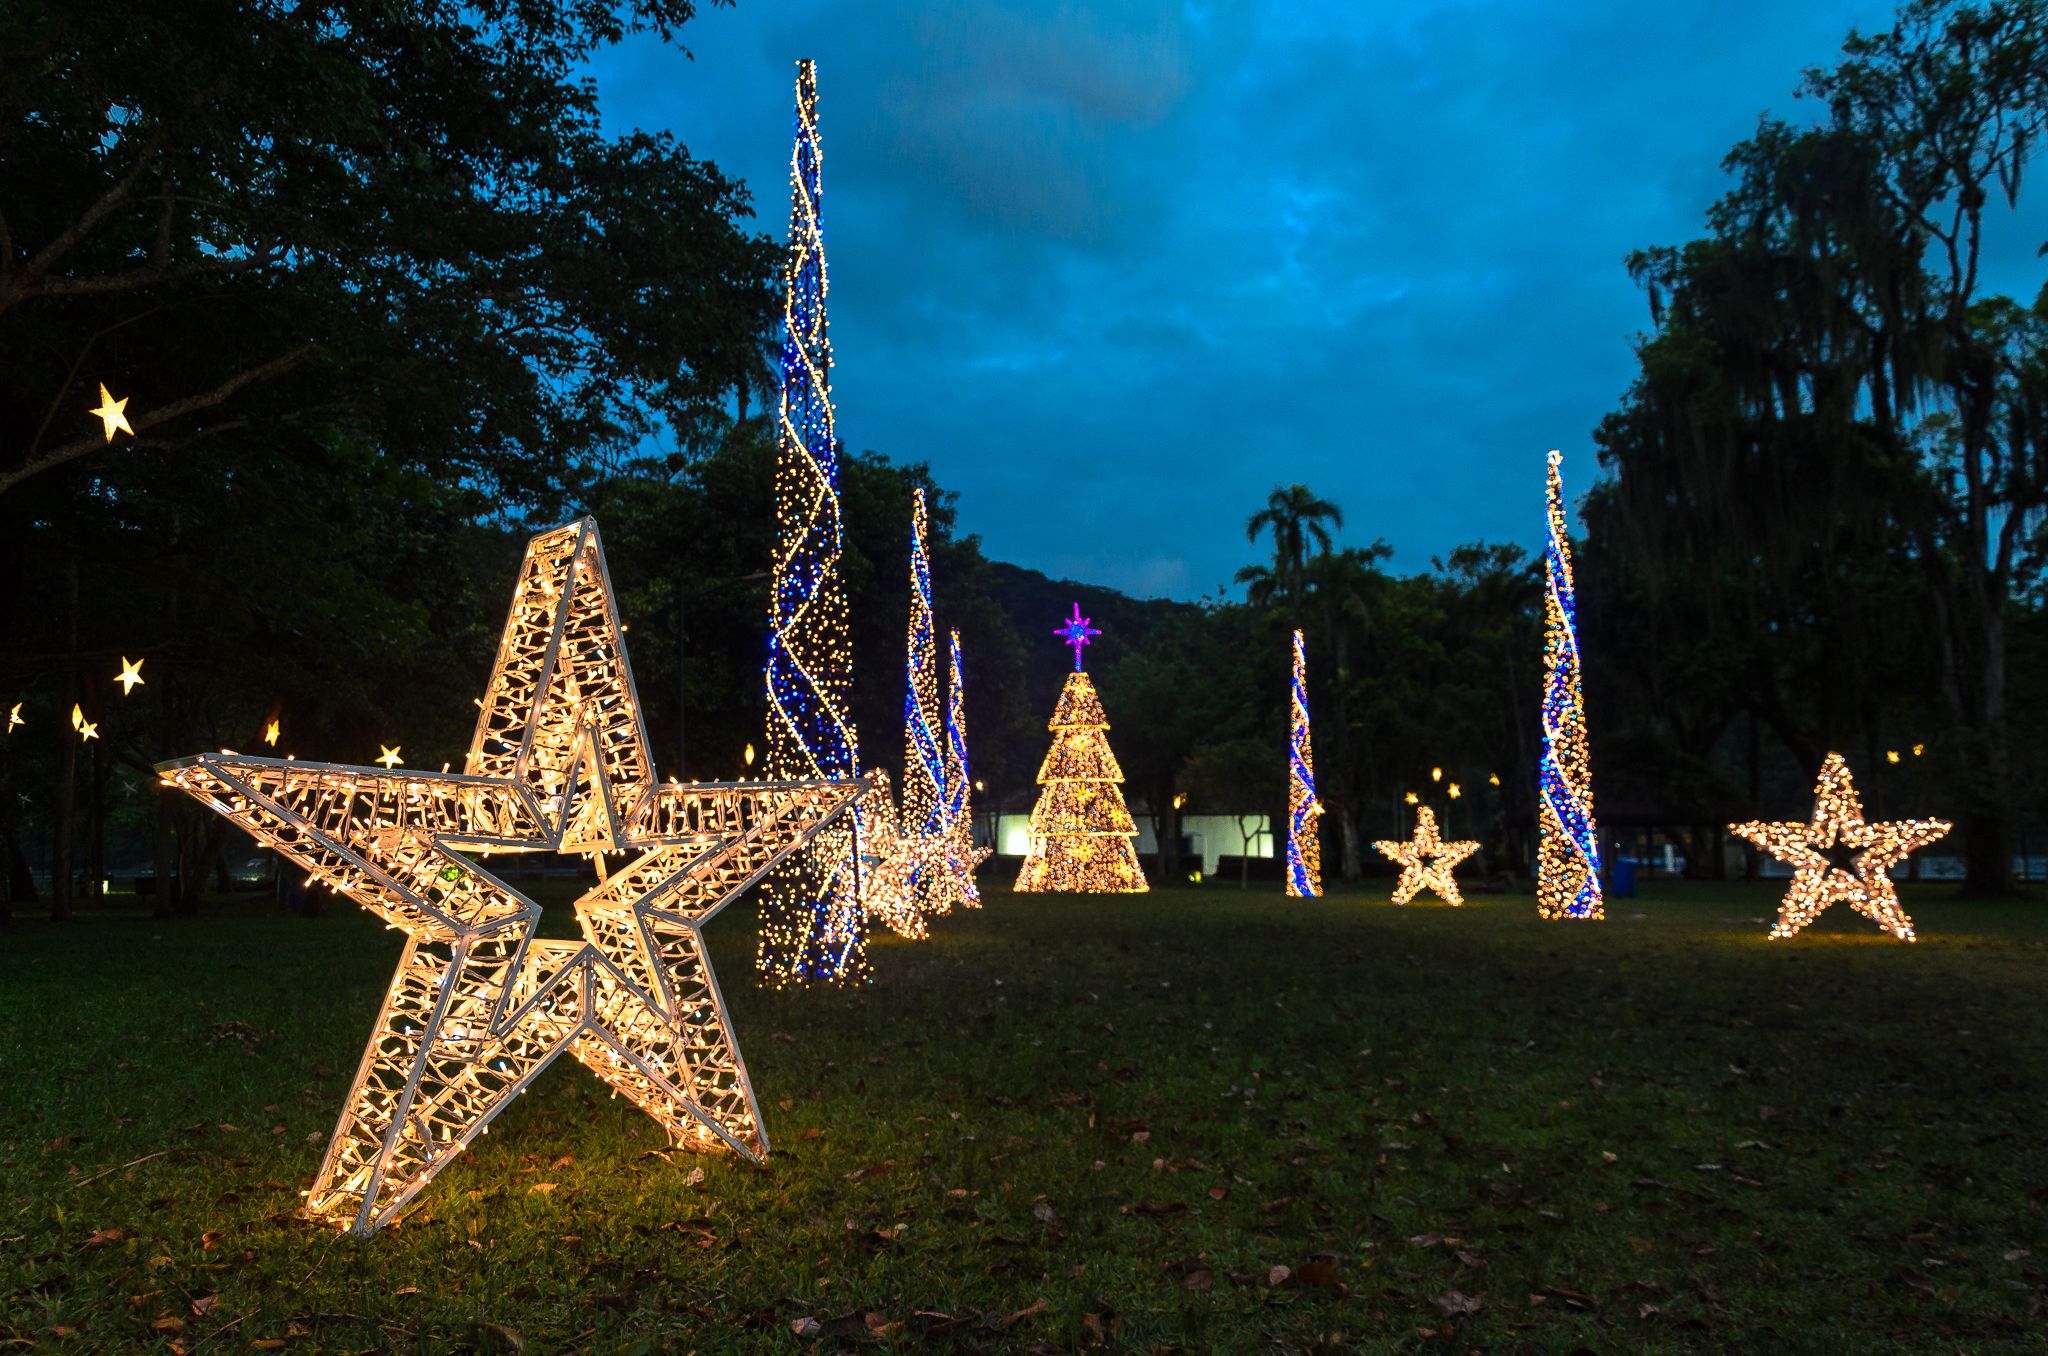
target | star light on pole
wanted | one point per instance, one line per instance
(1818, 880)
(1416, 855)
(110, 414)
(479, 1005)
(131, 675)
(1077, 632)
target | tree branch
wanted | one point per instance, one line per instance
(71, 451)
(134, 278)
(57, 248)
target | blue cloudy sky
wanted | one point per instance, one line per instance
(1117, 269)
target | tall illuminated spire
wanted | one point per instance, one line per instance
(1568, 846)
(1304, 853)
(924, 737)
(813, 928)
(958, 810)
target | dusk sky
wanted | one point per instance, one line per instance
(1115, 270)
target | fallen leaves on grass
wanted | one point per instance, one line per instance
(1454, 1302)
(542, 1187)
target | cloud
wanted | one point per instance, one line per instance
(1115, 270)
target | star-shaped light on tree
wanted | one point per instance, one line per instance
(14, 717)
(1418, 873)
(131, 675)
(1866, 853)
(389, 756)
(479, 1005)
(270, 734)
(110, 414)
(86, 729)
(1077, 631)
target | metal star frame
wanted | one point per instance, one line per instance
(1416, 874)
(479, 1006)
(1816, 880)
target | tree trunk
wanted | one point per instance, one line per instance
(165, 849)
(67, 765)
(96, 826)
(1166, 826)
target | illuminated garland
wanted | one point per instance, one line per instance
(1568, 845)
(1838, 824)
(1081, 832)
(924, 754)
(1304, 853)
(479, 1005)
(959, 807)
(813, 925)
(1415, 855)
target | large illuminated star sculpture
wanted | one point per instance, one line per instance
(1839, 857)
(1418, 872)
(479, 1006)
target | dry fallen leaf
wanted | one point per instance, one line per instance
(1641, 1244)
(1426, 1240)
(544, 1186)
(1470, 1259)
(1217, 1193)
(2015, 1254)
(1454, 1302)
(806, 1326)
(202, 1304)
(1278, 1275)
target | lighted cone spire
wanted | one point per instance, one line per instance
(1081, 832)
(1568, 844)
(1304, 853)
(479, 1005)
(963, 855)
(924, 734)
(813, 923)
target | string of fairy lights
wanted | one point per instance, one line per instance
(813, 926)
(1568, 843)
(1304, 853)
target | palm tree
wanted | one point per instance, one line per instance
(1295, 516)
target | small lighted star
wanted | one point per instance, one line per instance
(110, 413)
(86, 729)
(1817, 881)
(1077, 631)
(270, 734)
(131, 675)
(389, 758)
(14, 717)
(1417, 874)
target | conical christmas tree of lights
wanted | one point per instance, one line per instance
(958, 810)
(924, 735)
(813, 926)
(1568, 844)
(1081, 834)
(1304, 853)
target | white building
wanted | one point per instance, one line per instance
(1210, 837)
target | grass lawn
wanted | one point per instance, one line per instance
(1070, 1122)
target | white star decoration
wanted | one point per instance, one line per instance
(1816, 881)
(479, 1006)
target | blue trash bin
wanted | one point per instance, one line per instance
(1621, 878)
